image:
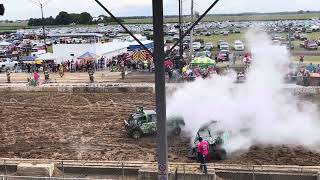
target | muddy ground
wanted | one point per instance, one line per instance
(90, 127)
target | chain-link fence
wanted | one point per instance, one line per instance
(85, 170)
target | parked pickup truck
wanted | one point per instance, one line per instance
(8, 64)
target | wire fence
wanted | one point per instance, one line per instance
(96, 170)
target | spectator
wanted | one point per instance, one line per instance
(301, 59)
(318, 69)
(311, 68)
(203, 151)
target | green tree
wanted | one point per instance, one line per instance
(75, 18)
(50, 21)
(63, 18)
(85, 18)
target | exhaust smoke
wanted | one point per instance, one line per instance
(256, 112)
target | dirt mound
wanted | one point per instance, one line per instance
(277, 155)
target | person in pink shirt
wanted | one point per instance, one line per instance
(36, 76)
(203, 151)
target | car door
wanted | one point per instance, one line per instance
(149, 125)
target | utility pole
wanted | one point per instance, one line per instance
(289, 37)
(180, 29)
(2, 10)
(42, 4)
(191, 33)
(160, 88)
(43, 31)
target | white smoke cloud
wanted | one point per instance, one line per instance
(260, 106)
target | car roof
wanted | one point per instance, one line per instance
(150, 111)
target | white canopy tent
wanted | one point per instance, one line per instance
(64, 52)
(46, 57)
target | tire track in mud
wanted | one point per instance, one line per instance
(72, 126)
(89, 126)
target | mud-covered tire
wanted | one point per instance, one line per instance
(176, 131)
(192, 154)
(220, 154)
(136, 134)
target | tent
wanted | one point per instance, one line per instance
(88, 56)
(203, 61)
(136, 46)
(28, 58)
(46, 57)
(31, 60)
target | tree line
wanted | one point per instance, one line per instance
(64, 18)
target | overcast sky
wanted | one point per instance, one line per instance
(25, 9)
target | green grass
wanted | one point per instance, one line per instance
(230, 38)
(308, 59)
(50, 49)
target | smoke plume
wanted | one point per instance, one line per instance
(258, 111)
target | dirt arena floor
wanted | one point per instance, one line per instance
(87, 126)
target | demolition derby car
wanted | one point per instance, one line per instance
(215, 139)
(144, 122)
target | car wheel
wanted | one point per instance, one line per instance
(220, 154)
(136, 134)
(177, 131)
(192, 154)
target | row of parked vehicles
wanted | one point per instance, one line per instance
(305, 42)
(221, 45)
(217, 32)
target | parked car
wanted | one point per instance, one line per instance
(169, 39)
(208, 33)
(308, 30)
(238, 45)
(216, 32)
(196, 46)
(236, 30)
(224, 46)
(309, 44)
(8, 64)
(223, 55)
(203, 53)
(208, 46)
(303, 37)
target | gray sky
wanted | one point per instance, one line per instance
(24, 9)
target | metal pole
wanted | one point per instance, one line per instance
(43, 31)
(159, 55)
(289, 37)
(180, 29)
(124, 27)
(191, 34)
(193, 25)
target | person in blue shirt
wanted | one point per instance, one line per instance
(311, 68)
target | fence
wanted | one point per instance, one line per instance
(85, 170)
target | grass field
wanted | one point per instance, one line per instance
(50, 49)
(241, 36)
(233, 18)
(230, 38)
(308, 59)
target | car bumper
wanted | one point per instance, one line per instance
(126, 125)
(239, 49)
